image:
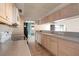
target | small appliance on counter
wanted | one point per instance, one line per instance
(52, 28)
(4, 36)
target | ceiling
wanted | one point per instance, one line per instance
(35, 11)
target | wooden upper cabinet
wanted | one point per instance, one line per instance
(3, 13)
(9, 12)
(70, 10)
(2, 10)
(13, 13)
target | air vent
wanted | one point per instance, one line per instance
(20, 10)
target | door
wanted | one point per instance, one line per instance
(9, 12)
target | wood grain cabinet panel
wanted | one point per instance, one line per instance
(9, 12)
(47, 42)
(53, 45)
(76, 49)
(2, 10)
(50, 43)
(68, 11)
(68, 48)
(38, 37)
(3, 13)
(43, 40)
(6, 13)
(59, 46)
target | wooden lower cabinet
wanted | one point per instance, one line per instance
(58, 46)
(43, 40)
(53, 45)
(68, 48)
(64, 48)
(38, 37)
(50, 43)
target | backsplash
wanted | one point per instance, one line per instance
(5, 33)
(70, 34)
(5, 28)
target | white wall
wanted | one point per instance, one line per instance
(71, 24)
(43, 27)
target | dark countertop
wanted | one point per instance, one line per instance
(71, 36)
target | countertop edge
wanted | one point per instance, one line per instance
(62, 37)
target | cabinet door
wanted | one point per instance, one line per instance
(70, 10)
(65, 48)
(53, 45)
(9, 11)
(2, 10)
(38, 37)
(43, 39)
(14, 14)
(47, 42)
(50, 43)
(68, 48)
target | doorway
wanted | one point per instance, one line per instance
(26, 30)
(29, 30)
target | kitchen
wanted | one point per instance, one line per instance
(61, 41)
(54, 28)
